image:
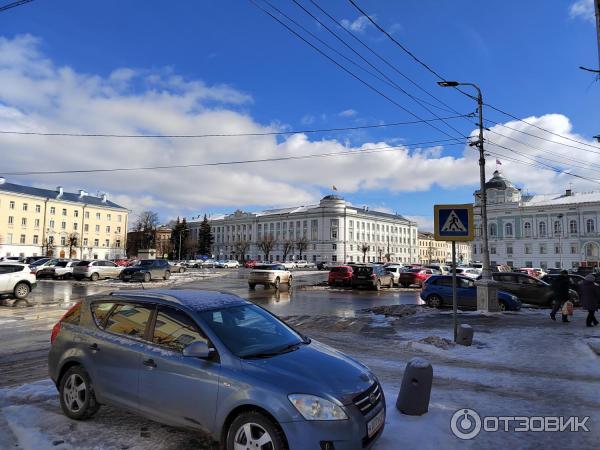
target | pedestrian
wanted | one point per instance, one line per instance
(560, 289)
(590, 294)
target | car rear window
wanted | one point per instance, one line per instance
(265, 267)
(129, 320)
(83, 263)
(340, 269)
(363, 270)
(10, 268)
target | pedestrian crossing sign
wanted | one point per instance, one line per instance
(453, 222)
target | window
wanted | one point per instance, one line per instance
(509, 249)
(106, 243)
(64, 212)
(100, 312)
(175, 330)
(11, 205)
(86, 227)
(333, 258)
(589, 226)
(129, 320)
(108, 229)
(25, 206)
(52, 224)
(542, 249)
(11, 220)
(573, 226)
(63, 240)
(508, 229)
(85, 241)
(542, 228)
(528, 249)
(36, 223)
(75, 225)
(52, 210)
(96, 242)
(38, 208)
(97, 228)
(63, 225)
(108, 217)
(574, 249)
(35, 238)
(118, 244)
(527, 229)
(22, 239)
(76, 213)
(557, 227)
(493, 249)
(97, 216)
(87, 215)
(557, 249)
(493, 230)
(23, 222)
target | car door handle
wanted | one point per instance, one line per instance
(94, 347)
(149, 363)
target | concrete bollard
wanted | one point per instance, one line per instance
(465, 335)
(413, 398)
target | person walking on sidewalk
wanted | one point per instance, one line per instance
(560, 288)
(590, 295)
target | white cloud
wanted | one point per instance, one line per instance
(348, 113)
(583, 9)
(424, 223)
(38, 95)
(358, 25)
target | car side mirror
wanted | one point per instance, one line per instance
(198, 349)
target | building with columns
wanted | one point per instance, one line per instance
(550, 230)
(332, 231)
(46, 222)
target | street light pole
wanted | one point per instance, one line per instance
(489, 297)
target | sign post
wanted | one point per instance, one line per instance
(453, 223)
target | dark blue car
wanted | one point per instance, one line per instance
(437, 292)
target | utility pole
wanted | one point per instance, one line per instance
(487, 295)
(597, 8)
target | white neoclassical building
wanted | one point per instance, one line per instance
(332, 230)
(550, 230)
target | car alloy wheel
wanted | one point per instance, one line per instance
(252, 435)
(75, 393)
(167, 275)
(21, 290)
(503, 306)
(434, 301)
(378, 285)
(146, 277)
(94, 277)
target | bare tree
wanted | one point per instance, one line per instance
(287, 248)
(146, 226)
(241, 248)
(301, 245)
(266, 245)
(364, 248)
(72, 241)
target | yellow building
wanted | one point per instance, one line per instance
(40, 222)
(432, 251)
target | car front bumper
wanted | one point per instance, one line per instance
(348, 434)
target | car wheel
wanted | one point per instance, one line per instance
(167, 275)
(94, 276)
(251, 285)
(77, 398)
(391, 285)
(147, 277)
(377, 286)
(276, 283)
(290, 280)
(21, 290)
(434, 301)
(254, 430)
(503, 306)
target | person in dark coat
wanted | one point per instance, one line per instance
(590, 295)
(560, 288)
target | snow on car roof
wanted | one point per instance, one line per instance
(198, 300)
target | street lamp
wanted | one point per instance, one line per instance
(486, 275)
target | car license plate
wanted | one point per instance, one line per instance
(376, 423)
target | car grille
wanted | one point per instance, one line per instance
(368, 399)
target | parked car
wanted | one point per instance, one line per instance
(371, 276)
(301, 264)
(231, 264)
(528, 289)
(437, 292)
(16, 280)
(177, 266)
(470, 272)
(188, 352)
(96, 269)
(122, 262)
(269, 275)
(17, 259)
(532, 272)
(41, 266)
(340, 275)
(441, 268)
(288, 265)
(395, 270)
(219, 263)
(208, 264)
(32, 259)
(147, 270)
(250, 264)
(64, 269)
(574, 281)
(323, 265)
(416, 276)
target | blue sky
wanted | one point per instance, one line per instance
(253, 74)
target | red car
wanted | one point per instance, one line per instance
(123, 262)
(250, 264)
(340, 275)
(415, 276)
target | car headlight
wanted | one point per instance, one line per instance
(317, 408)
(514, 298)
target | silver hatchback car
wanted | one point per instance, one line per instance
(216, 363)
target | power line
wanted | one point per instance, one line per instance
(349, 72)
(14, 5)
(210, 135)
(245, 161)
(440, 77)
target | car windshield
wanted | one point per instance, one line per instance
(415, 270)
(145, 262)
(62, 264)
(250, 332)
(265, 267)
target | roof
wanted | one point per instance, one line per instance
(498, 181)
(52, 194)
(560, 199)
(198, 300)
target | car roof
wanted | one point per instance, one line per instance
(197, 300)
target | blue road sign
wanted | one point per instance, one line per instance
(453, 222)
